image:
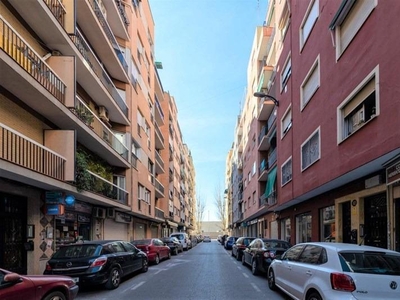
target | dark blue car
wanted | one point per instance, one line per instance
(230, 241)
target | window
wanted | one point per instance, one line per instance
(286, 72)
(310, 84)
(313, 254)
(308, 22)
(310, 150)
(303, 226)
(286, 229)
(348, 20)
(359, 107)
(284, 21)
(286, 121)
(286, 171)
(327, 217)
(253, 170)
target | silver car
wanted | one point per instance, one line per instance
(336, 271)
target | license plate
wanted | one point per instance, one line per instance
(76, 279)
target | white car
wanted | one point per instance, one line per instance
(206, 239)
(336, 271)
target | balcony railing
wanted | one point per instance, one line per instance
(134, 160)
(57, 9)
(89, 118)
(24, 152)
(272, 158)
(101, 186)
(159, 134)
(107, 30)
(26, 57)
(91, 59)
(159, 159)
(159, 213)
(264, 131)
(159, 186)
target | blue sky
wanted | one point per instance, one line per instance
(204, 46)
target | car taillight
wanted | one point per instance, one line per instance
(48, 267)
(101, 261)
(342, 282)
(269, 254)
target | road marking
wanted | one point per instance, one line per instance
(245, 275)
(134, 286)
(255, 287)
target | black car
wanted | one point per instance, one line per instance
(239, 246)
(174, 244)
(261, 252)
(97, 262)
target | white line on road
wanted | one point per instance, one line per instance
(134, 286)
(255, 287)
(245, 275)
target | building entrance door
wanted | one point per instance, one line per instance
(13, 233)
(346, 222)
(375, 227)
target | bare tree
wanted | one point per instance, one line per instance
(220, 203)
(200, 206)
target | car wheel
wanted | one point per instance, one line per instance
(55, 296)
(157, 260)
(243, 260)
(271, 280)
(114, 279)
(254, 269)
(238, 255)
(145, 265)
(314, 296)
(232, 253)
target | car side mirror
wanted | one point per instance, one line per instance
(12, 278)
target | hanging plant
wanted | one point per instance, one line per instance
(82, 178)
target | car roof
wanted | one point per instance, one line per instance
(96, 242)
(348, 247)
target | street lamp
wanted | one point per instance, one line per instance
(264, 95)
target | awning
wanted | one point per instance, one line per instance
(172, 224)
(270, 183)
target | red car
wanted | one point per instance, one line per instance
(155, 249)
(36, 287)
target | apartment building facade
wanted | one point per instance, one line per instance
(80, 115)
(337, 122)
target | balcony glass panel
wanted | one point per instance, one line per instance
(101, 186)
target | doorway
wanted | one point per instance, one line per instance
(13, 234)
(375, 209)
(346, 222)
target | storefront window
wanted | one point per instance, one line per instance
(286, 229)
(327, 217)
(303, 226)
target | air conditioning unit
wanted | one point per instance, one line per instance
(99, 212)
(103, 114)
(110, 213)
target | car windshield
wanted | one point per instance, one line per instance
(141, 242)
(76, 251)
(370, 262)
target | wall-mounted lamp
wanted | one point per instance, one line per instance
(264, 95)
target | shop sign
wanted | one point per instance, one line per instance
(54, 197)
(69, 201)
(122, 218)
(83, 219)
(83, 207)
(54, 209)
(393, 173)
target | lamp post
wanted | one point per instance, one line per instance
(264, 95)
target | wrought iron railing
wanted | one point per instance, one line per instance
(12, 44)
(24, 152)
(57, 9)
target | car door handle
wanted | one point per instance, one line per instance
(309, 273)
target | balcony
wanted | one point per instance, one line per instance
(159, 214)
(264, 77)
(103, 187)
(84, 113)
(263, 36)
(159, 113)
(22, 151)
(117, 18)
(22, 64)
(272, 158)
(263, 171)
(159, 163)
(97, 30)
(263, 139)
(159, 189)
(109, 96)
(159, 139)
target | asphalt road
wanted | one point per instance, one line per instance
(207, 271)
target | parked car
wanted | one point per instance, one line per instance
(219, 238)
(183, 239)
(223, 239)
(35, 287)
(240, 245)
(230, 241)
(261, 252)
(315, 271)
(173, 244)
(97, 262)
(155, 249)
(206, 239)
